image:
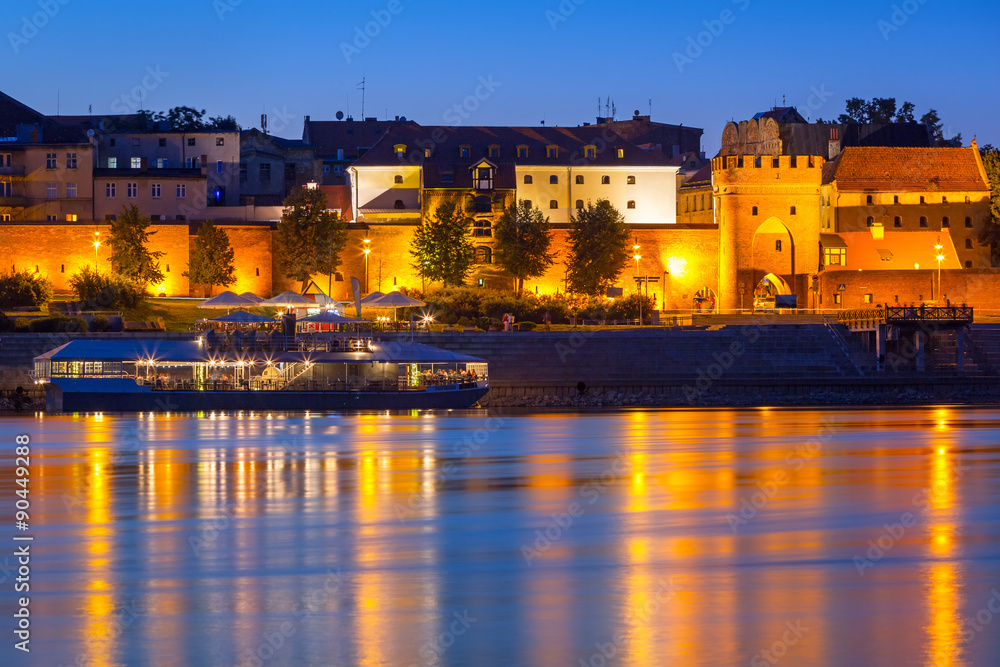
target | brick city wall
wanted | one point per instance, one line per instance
(978, 287)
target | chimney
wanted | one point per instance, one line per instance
(834, 146)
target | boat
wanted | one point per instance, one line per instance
(320, 371)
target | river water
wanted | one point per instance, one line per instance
(645, 537)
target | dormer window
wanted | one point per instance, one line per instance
(621, 153)
(399, 150)
(494, 151)
(464, 151)
(590, 152)
(483, 178)
(522, 151)
(427, 152)
(552, 152)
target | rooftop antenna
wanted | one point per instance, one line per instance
(362, 87)
(90, 109)
(782, 100)
(57, 102)
(650, 108)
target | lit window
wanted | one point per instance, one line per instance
(835, 256)
(182, 191)
(869, 298)
(836, 298)
(399, 150)
(220, 141)
(71, 191)
(136, 163)
(71, 160)
(71, 217)
(154, 190)
(132, 190)
(621, 153)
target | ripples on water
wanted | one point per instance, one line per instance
(670, 537)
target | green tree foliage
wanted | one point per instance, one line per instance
(130, 253)
(103, 291)
(222, 123)
(599, 248)
(23, 288)
(212, 258)
(933, 123)
(990, 233)
(310, 237)
(181, 119)
(878, 110)
(186, 119)
(523, 237)
(441, 247)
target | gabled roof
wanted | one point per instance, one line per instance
(14, 113)
(910, 169)
(349, 135)
(254, 135)
(814, 138)
(898, 250)
(782, 115)
(701, 179)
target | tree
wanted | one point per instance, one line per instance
(310, 237)
(212, 258)
(990, 233)
(222, 123)
(599, 248)
(186, 119)
(130, 254)
(523, 238)
(878, 110)
(934, 126)
(441, 246)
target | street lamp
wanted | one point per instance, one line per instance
(638, 286)
(939, 257)
(367, 251)
(97, 244)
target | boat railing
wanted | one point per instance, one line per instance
(308, 342)
(330, 385)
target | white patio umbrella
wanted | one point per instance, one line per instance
(329, 317)
(252, 297)
(242, 317)
(289, 299)
(395, 300)
(227, 300)
(374, 296)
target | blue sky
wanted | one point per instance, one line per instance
(549, 59)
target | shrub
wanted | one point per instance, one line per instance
(21, 325)
(100, 323)
(6, 323)
(23, 288)
(527, 326)
(483, 323)
(57, 324)
(464, 321)
(102, 291)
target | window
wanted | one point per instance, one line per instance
(191, 141)
(552, 151)
(189, 162)
(338, 169)
(923, 221)
(630, 180)
(870, 221)
(50, 218)
(631, 204)
(399, 204)
(945, 222)
(265, 172)
(110, 217)
(136, 163)
(484, 255)
(132, 190)
(590, 152)
(836, 298)
(182, 190)
(922, 200)
(181, 217)
(777, 245)
(494, 151)
(71, 160)
(50, 160)
(220, 141)
(112, 163)
(553, 204)
(968, 244)
(71, 191)
(154, 190)
(775, 163)
(968, 222)
(70, 217)
(111, 142)
(553, 180)
(895, 199)
(579, 180)
(427, 151)
(870, 200)
(579, 204)
(835, 256)
(399, 150)
(527, 202)
(154, 217)
(326, 169)
(687, 204)
(5, 217)
(753, 211)
(481, 227)
(791, 211)
(944, 199)
(869, 298)
(968, 263)
(483, 204)
(447, 178)
(218, 167)
(522, 151)
(605, 180)
(398, 179)
(464, 151)
(243, 171)
(50, 191)
(5, 189)
(5, 160)
(621, 153)
(897, 221)
(527, 179)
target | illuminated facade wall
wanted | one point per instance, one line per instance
(158, 196)
(46, 182)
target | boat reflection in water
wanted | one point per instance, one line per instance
(654, 538)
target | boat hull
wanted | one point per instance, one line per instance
(83, 396)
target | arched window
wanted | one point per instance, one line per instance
(631, 180)
(398, 179)
(483, 204)
(399, 204)
(527, 179)
(605, 180)
(754, 211)
(791, 211)
(484, 255)
(579, 204)
(631, 204)
(553, 180)
(579, 180)
(553, 204)
(777, 245)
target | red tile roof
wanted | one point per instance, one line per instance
(910, 169)
(339, 196)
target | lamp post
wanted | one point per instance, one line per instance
(367, 251)
(638, 286)
(939, 257)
